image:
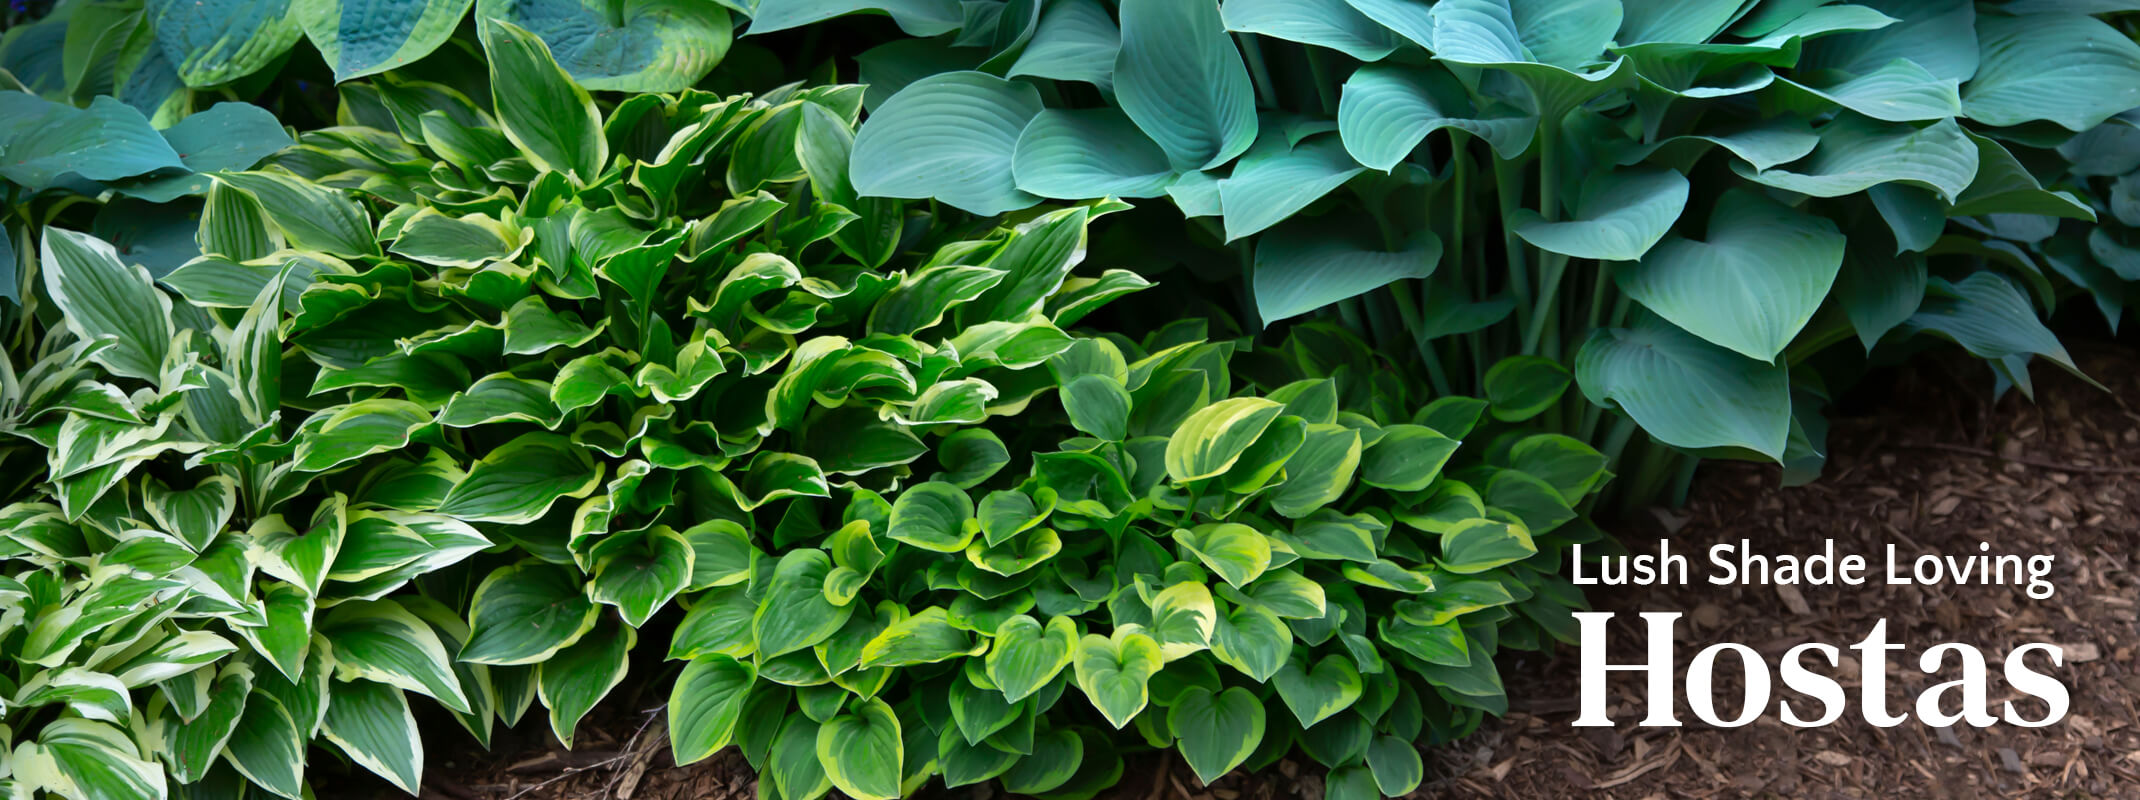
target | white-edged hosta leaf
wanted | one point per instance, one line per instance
(268, 747)
(372, 723)
(951, 136)
(705, 705)
(1687, 392)
(360, 429)
(380, 641)
(87, 760)
(1088, 153)
(524, 613)
(192, 745)
(551, 119)
(1618, 216)
(519, 481)
(382, 35)
(579, 675)
(100, 296)
(312, 216)
(1180, 77)
(1752, 285)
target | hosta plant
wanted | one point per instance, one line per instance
(1655, 196)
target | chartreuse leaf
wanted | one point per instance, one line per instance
(551, 119)
(640, 46)
(1236, 552)
(102, 297)
(1209, 441)
(951, 136)
(520, 480)
(1318, 692)
(1180, 78)
(1114, 671)
(1751, 285)
(1183, 616)
(926, 637)
(705, 705)
(379, 640)
(796, 612)
(862, 751)
(934, 516)
(525, 613)
(1216, 732)
(1481, 544)
(87, 759)
(372, 723)
(1027, 656)
(1685, 391)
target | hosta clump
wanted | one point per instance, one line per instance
(1318, 557)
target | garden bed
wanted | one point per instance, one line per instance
(2061, 477)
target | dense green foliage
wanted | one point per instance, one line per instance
(849, 398)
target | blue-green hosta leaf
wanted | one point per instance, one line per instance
(916, 17)
(1209, 441)
(1899, 91)
(1076, 40)
(634, 46)
(380, 641)
(1880, 292)
(381, 34)
(1329, 23)
(1777, 140)
(1988, 315)
(1386, 110)
(372, 723)
(1670, 21)
(705, 705)
(213, 42)
(524, 613)
(1179, 76)
(1217, 732)
(796, 612)
(1273, 181)
(862, 751)
(2004, 185)
(1752, 285)
(1549, 46)
(46, 141)
(951, 136)
(1114, 672)
(1857, 153)
(1618, 216)
(575, 678)
(1938, 35)
(518, 482)
(2070, 69)
(1687, 392)
(100, 296)
(1026, 656)
(551, 119)
(86, 759)
(1087, 153)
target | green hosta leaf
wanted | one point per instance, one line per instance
(102, 297)
(1318, 692)
(1236, 552)
(382, 35)
(1319, 472)
(965, 764)
(796, 613)
(86, 759)
(379, 640)
(1481, 544)
(1088, 153)
(1407, 458)
(1752, 285)
(705, 705)
(312, 216)
(1567, 464)
(719, 622)
(1350, 783)
(551, 119)
(1217, 732)
(1212, 439)
(916, 17)
(1275, 180)
(1329, 23)
(862, 752)
(2066, 68)
(921, 300)
(934, 516)
(525, 613)
(926, 637)
(638, 46)
(1114, 672)
(1328, 535)
(1253, 640)
(1687, 392)
(1180, 78)
(1098, 405)
(1027, 656)
(1395, 764)
(1618, 216)
(519, 481)
(372, 723)
(1522, 387)
(952, 137)
(579, 675)
(639, 578)
(1857, 153)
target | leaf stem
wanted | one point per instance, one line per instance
(1258, 72)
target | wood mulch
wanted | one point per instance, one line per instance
(1931, 476)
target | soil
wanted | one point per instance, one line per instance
(1940, 471)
